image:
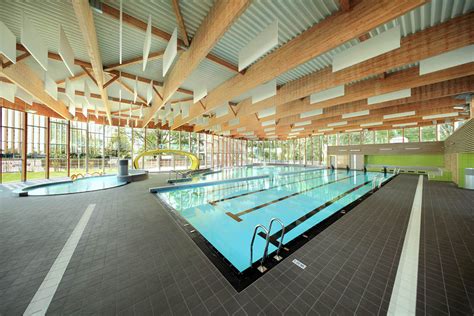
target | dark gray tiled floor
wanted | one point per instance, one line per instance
(446, 275)
(134, 259)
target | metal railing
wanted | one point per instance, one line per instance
(277, 256)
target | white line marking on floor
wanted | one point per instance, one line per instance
(403, 299)
(43, 297)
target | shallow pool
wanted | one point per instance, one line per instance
(77, 186)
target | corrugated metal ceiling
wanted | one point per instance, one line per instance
(46, 16)
(108, 37)
(294, 17)
(426, 16)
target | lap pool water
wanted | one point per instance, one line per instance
(226, 214)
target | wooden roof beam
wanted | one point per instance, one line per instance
(419, 107)
(137, 23)
(453, 34)
(86, 24)
(440, 83)
(343, 26)
(180, 21)
(25, 78)
(345, 5)
(221, 16)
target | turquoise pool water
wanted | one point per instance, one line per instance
(250, 171)
(226, 214)
(77, 186)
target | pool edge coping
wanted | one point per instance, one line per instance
(241, 280)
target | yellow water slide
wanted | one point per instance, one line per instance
(193, 158)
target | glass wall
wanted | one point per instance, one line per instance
(97, 148)
(12, 142)
(78, 148)
(36, 147)
(58, 161)
(111, 149)
(95, 137)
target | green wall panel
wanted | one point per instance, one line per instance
(465, 160)
(426, 160)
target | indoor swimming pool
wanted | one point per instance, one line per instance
(226, 214)
(77, 186)
(250, 171)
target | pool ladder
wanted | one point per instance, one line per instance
(277, 257)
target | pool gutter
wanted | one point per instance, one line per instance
(184, 186)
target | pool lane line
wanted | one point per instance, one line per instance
(307, 216)
(404, 292)
(281, 175)
(44, 295)
(213, 203)
(237, 216)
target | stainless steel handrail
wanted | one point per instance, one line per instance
(261, 268)
(282, 235)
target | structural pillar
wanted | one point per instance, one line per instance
(24, 147)
(48, 147)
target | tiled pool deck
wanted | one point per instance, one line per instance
(132, 257)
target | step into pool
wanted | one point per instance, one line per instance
(226, 214)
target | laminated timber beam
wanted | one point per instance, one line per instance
(342, 27)
(355, 124)
(180, 20)
(137, 23)
(86, 24)
(420, 109)
(450, 35)
(221, 17)
(431, 93)
(360, 91)
(25, 78)
(423, 107)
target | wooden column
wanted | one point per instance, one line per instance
(24, 147)
(48, 146)
(103, 148)
(68, 148)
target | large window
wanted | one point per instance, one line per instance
(78, 148)
(12, 141)
(111, 149)
(343, 139)
(428, 133)
(95, 149)
(36, 147)
(412, 134)
(444, 130)
(354, 138)
(368, 137)
(395, 136)
(58, 148)
(381, 137)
